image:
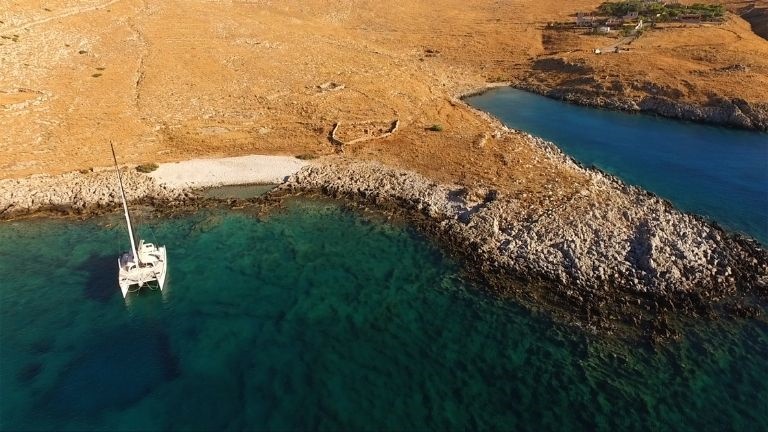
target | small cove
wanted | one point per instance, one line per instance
(716, 172)
(314, 317)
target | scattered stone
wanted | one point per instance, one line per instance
(734, 68)
(330, 86)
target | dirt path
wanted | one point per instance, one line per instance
(71, 12)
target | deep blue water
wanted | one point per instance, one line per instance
(713, 171)
(318, 318)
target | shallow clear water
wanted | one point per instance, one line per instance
(317, 318)
(717, 172)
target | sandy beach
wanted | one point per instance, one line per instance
(94, 191)
(253, 169)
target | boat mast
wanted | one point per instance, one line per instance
(125, 207)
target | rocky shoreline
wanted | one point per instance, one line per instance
(611, 257)
(84, 193)
(736, 113)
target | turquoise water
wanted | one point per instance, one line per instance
(716, 172)
(317, 318)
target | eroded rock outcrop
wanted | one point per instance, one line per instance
(720, 111)
(757, 16)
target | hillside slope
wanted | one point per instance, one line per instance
(176, 79)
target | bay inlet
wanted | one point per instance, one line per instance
(712, 171)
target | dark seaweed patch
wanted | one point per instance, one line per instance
(101, 283)
(30, 372)
(119, 369)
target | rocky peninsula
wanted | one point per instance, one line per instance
(611, 256)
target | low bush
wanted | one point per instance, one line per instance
(147, 168)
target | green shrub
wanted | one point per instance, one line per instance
(147, 168)
(620, 8)
(660, 11)
(436, 128)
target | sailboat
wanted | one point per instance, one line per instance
(142, 265)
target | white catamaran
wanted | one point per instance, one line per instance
(143, 265)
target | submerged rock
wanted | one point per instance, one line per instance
(90, 385)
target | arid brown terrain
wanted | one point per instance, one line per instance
(171, 80)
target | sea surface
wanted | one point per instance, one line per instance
(313, 317)
(713, 171)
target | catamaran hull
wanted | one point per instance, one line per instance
(132, 277)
